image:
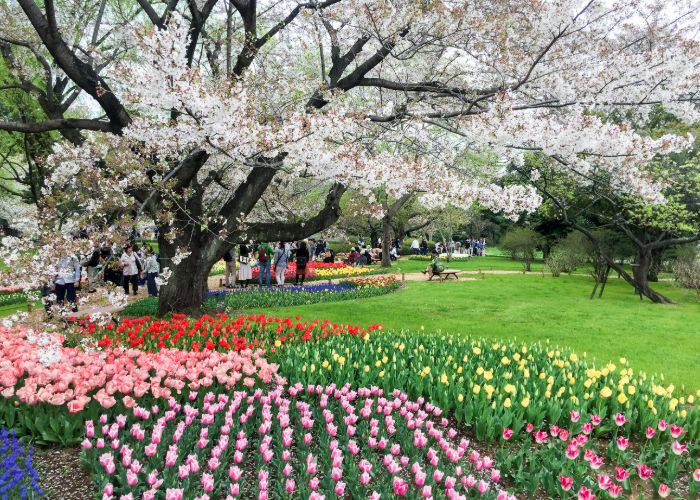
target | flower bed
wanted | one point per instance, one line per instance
(302, 295)
(314, 270)
(18, 479)
(528, 391)
(302, 441)
(256, 298)
(219, 332)
(602, 463)
(44, 385)
(511, 383)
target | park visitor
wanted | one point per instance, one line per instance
(131, 268)
(281, 259)
(264, 256)
(66, 278)
(151, 268)
(92, 269)
(435, 266)
(302, 259)
(230, 264)
(423, 247)
(245, 271)
(415, 247)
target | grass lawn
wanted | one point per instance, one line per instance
(654, 338)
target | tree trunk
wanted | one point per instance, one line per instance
(640, 271)
(655, 268)
(186, 288)
(639, 282)
(386, 241)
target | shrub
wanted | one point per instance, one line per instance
(521, 243)
(686, 270)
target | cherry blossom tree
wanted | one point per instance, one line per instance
(397, 94)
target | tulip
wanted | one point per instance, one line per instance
(644, 471)
(604, 481)
(585, 494)
(621, 474)
(664, 490)
(620, 419)
(507, 433)
(566, 482)
(614, 490)
(678, 448)
(290, 485)
(622, 443)
(482, 487)
(676, 431)
(339, 488)
(650, 432)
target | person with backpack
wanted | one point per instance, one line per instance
(302, 260)
(230, 269)
(264, 256)
(131, 269)
(280, 261)
(245, 271)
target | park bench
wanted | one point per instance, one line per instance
(443, 275)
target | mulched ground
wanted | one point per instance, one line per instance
(61, 474)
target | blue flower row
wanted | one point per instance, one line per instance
(18, 479)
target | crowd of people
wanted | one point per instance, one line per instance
(473, 247)
(128, 267)
(133, 266)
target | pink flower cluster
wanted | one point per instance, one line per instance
(308, 441)
(79, 376)
(576, 444)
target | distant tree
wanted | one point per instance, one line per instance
(522, 243)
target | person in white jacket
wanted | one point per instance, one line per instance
(131, 269)
(67, 276)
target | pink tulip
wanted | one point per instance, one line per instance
(663, 425)
(575, 416)
(664, 490)
(585, 494)
(676, 431)
(650, 432)
(174, 494)
(622, 443)
(482, 487)
(313, 483)
(604, 481)
(696, 475)
(644, 471)
(620, 419)
(400, 487)
(615, 490)
(621, 474)
(507, 433)
(678, 448)
(290, 485)
(339, 488)
(566, 482)
(235, 489)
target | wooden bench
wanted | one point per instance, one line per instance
(443, 275)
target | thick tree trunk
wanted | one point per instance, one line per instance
(386, 241)
(186, 288)
(640, 271)
(185, 291)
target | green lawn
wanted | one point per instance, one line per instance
(654, 338)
